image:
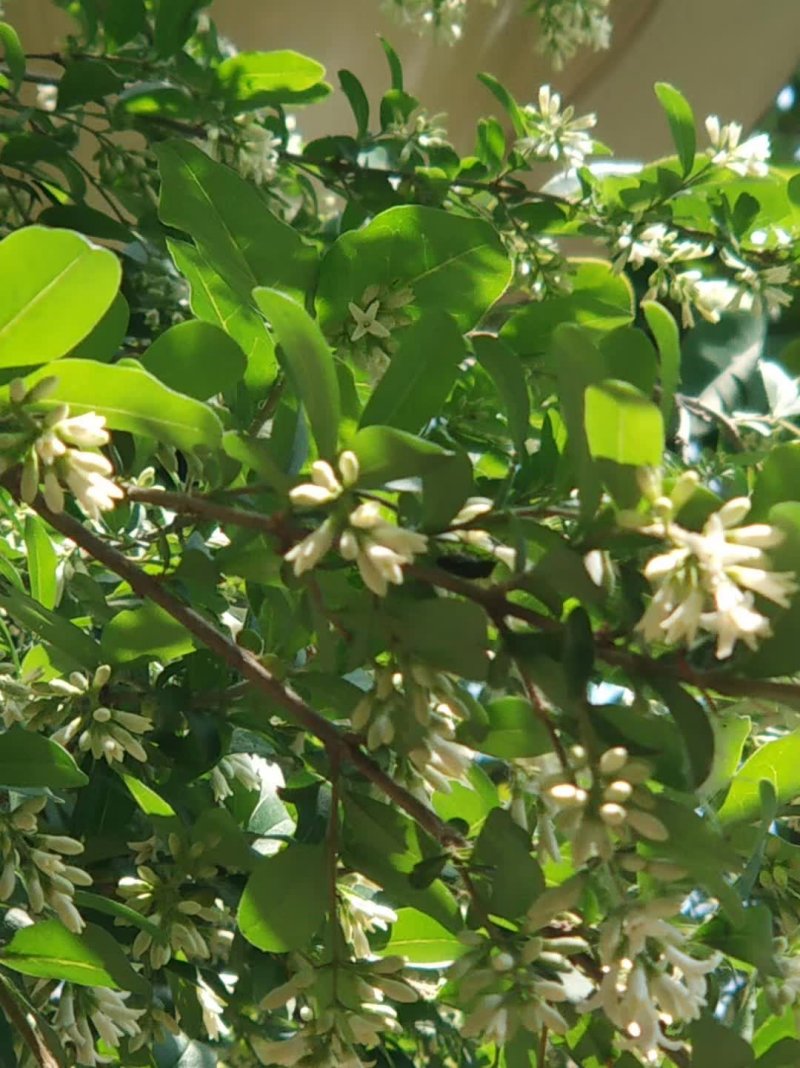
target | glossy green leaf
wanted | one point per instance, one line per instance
(150, 802)
(750, 941)
(47, 950)
(505, 370)
(600, 301)
(395, 66)
(145, 631)
(775, 762)
(13, 54)
(469, 803)
(785, 1053)
(285, 899)
(578, 365)
(695, 727)
(512, 108)
(215, 301)
(87, 221)
(448, 634)
(197, 358)
(175, 22)
(777, 480)
(623, 425)
(105, 340)
(665, 330)
(42, 562)
(231, 224)
(421, 940)
(448, 261)
(714, 1045)
(513, 731)
(77, 650)
(309, 364)
(57, 286)
(132, 399)
(513, 879)
(420, 376)
(257, 455)
(359, 102)
(780, 654)
(110, 906)
(31, 760)
(258, 79)
(681, 122)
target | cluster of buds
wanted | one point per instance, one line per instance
(748, 159)
(360, 914)
(706, 581)
(553, 134)
(373, 320)
(518, 983)
(461, 530)
(568, 25)
(77, 709)
(83, 1010)
(54, 449)
(602, 805)
(380, 548)
(650, 982)
(417, 712)
(254, 772)
(328, 1021)
(175, 903)
(37, 860)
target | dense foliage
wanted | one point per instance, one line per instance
(399, 616)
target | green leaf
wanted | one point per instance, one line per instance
(175, 22)
(57, 286)
(600, 301)
(714, 1045)
(785, 1053)
(29, 760)
(470, 803)
(777, 480)
(359, 102)
(42, 561)
(421, 940)
(131, 399)
(395, 66)
(694, 725)
(386, 455)
(88, 221)
(780, 654)
(513, 730)
(258, 79)
(750, 941)
(231, 224)
(420, 376)
(79, 650)
(387, 846)
(513, 879)
(446, 633)
(13, 53)
(623, 425)
(109, 906)
(105, 340)
(449, 261)
(775, 762)
(85, 80)
(196, 358)
(578, 365)
(47, 950)
(285, 899)
(512, 108)
(215, 301)
(150, 802)
(309, 363)
(665, 330)
(257, 455)
(145, 631)
(505, 369)
(681, 122)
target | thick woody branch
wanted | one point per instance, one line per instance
(250, 668)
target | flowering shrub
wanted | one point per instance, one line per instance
(398, 615)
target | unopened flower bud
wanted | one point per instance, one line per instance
(349, 467)
(613, 815)
(613, 760)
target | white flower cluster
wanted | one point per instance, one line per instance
(598, 807)
(169, 903)
(462, 531)
(758, 290)
(445, 17)
(59, 455)
(553, 134)
(250, 147)
(379, 548)
(707, 580)
(748, 159)
(333, 1025)
(568, 25)
(373, 319)
(82, 1009)
(650, 981)
(36, 859)
(416, 712)
(513, 985)
(360, 914)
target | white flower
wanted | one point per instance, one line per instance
(46, 96)
(359, 914)
(307, 553)
(212, 1009)
(87, 431)
(554, 134)
(749, 159)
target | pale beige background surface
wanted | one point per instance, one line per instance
(728, 56)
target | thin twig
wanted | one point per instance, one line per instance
(19, 1021)
(250, 668)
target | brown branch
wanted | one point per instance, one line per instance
(26, 1031)
(250, 668)
(203, 508)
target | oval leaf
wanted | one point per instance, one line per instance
(48, 950)
(285, 899)
(30, 760)
(623, 425)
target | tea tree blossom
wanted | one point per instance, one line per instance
(748, 159)
(87, 1011)
(555, 134)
